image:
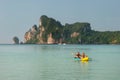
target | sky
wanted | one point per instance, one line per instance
(18, 16)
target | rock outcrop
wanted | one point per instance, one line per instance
(31, 34)
(51, 31)
(50, 39)
(74, 34)
(16, 40)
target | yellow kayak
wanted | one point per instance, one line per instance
(85, 59)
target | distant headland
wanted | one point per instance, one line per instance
(50, 31)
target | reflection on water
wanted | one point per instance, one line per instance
(85, 68)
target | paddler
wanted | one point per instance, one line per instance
(78, 55)
(83, 55)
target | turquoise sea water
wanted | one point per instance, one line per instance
(55, 62)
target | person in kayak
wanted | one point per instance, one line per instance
(83, 55)
(78, 55)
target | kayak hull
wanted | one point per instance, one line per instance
(83, 59)
(77, 59)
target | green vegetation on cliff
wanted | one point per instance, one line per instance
(52, 31)
(51, 26)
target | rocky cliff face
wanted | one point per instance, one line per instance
(50, 31)
(31, 34)
(50, 39)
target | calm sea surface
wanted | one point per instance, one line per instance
(55, 62)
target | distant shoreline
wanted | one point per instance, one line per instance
(59, 44)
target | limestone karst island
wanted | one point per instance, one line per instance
(51, 31)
